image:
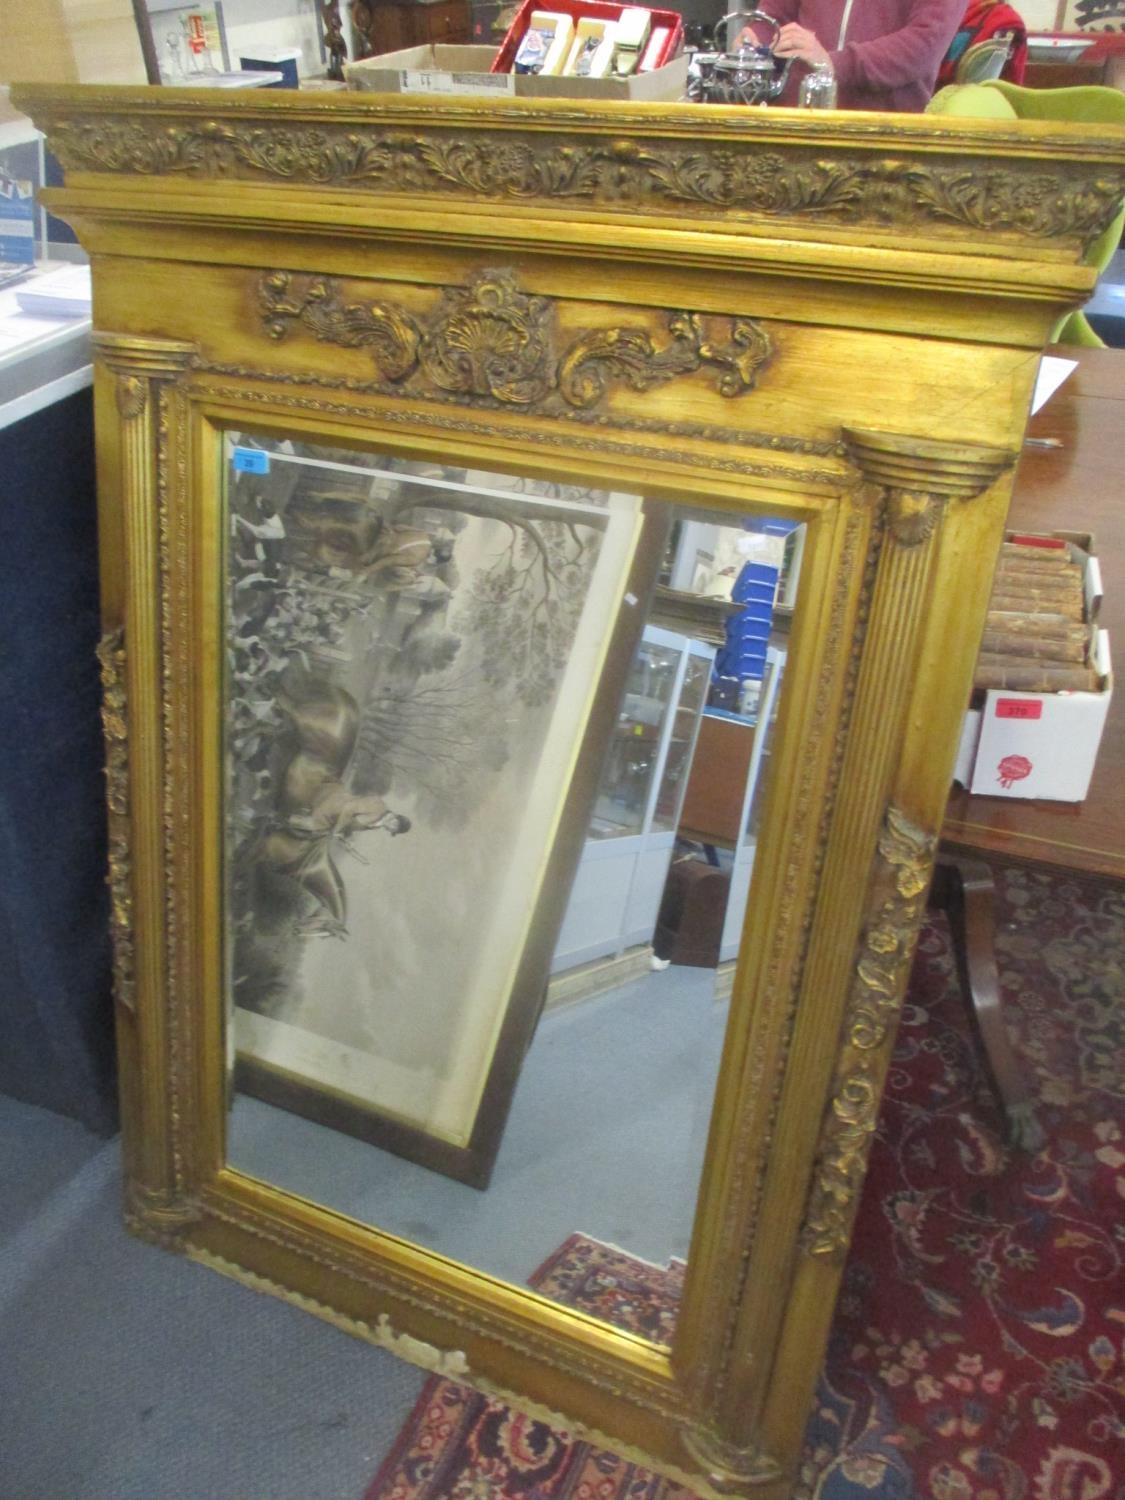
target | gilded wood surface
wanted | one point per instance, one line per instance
(360, 284)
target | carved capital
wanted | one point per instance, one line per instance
(730, 1467)
(895, 908)
(111, 655)
(137, 361)
(920, 475)
(131, 354)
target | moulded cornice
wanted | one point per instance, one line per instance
(911, 180)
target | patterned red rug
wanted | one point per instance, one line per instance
(978, 1351)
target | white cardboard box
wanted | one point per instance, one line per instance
(442, 68)
(1028, 745)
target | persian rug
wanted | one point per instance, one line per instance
(978, 1350)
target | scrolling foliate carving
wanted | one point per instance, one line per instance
(390, 334)
(905, 857)
(837, 185)
(628, 354)
(492, 342)
(111, 656)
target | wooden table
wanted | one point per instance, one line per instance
(1079, 486)
(1076, 486)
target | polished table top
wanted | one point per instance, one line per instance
(1078, 486)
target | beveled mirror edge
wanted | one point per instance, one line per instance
(929, 551)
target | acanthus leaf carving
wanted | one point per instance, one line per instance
(905, 858)
(115, 727)
(848, 186)
(390, 334)
(492, 342)
(629, 354)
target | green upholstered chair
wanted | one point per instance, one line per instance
(999, 101)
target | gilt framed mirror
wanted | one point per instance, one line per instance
(544, 550)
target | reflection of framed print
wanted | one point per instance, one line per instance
(1092, 15)
(413, 653)
(186, 39)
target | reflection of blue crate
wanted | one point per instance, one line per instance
(17, 222)
(748, 631)
(755, 581)
(752, 637)
(741, 662)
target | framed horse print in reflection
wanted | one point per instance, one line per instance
(413, 652)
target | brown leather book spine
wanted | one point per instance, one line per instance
(1024, 553)
(1067, 584)
(1024, 601)
(1028, 622)
(1047, 648)
(1033, 677)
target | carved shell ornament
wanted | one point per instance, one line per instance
(491, 340)
(494, 343)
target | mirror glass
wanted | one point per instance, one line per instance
(495, 755)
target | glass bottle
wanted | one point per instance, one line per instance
(818, 87)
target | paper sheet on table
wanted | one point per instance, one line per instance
(1052, 372)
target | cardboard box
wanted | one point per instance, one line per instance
(1029, 745)
(446, 70)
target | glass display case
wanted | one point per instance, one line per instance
(225, 43)
(757, 779)
(44, 331)
(616, 895)
(23, 233)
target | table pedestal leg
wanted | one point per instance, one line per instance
(964, 890)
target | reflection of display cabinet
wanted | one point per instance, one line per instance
(22, 223)
(742, 867)
(390, 25)
(194, 42)
(723, 802)
(617, 890)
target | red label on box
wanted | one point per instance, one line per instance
(1019, 708)
(1052, 543)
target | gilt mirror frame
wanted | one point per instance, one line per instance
(833, 318)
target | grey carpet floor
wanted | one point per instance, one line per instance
(607, 1135)
(127, 1373)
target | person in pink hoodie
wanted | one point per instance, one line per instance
(885, 53)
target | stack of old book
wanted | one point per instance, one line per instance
(1038, 637)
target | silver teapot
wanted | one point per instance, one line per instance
(751, 74)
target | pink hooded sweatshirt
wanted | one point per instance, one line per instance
(886, 53)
